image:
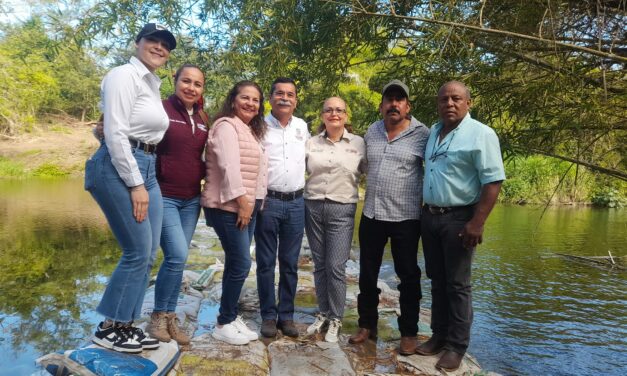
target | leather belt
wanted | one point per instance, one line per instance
(147, 148)
(285, 196)
(443, 210)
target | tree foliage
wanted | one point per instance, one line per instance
(39, 75)
(548, 75)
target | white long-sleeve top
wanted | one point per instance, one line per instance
(131, 104)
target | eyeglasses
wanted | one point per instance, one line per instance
(330, 111)
(438, 152)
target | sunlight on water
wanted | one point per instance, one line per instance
(536, 313)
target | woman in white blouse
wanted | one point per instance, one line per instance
(335, 160)
(121, 178)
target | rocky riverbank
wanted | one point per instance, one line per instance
(307, 355)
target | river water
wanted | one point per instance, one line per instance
(535, 312)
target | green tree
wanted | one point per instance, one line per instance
(42, 75)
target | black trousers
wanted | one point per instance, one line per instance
(448, 265)
(404, 236)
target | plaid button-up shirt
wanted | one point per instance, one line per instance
(395, 172)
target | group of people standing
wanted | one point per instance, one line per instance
(269, 180)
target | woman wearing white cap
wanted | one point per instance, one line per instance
(121, 178)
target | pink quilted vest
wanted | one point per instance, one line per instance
(249, 161)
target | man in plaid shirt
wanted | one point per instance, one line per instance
(395, 150)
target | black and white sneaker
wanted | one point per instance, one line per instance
(117, 339)
(146, 341)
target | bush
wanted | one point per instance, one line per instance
(10, 169)
(49, 170)
(608, 197)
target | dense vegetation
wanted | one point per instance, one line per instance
(548, 75)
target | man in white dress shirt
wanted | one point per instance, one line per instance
(280, 225)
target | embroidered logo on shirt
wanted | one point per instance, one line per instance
(202, 127)
(299, 134)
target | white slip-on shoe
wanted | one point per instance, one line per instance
(228, 333)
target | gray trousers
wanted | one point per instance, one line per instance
(329, 227)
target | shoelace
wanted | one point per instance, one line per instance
(133, 332)
(320, 320)
(241, 322)
(125, 331)
(334, 327)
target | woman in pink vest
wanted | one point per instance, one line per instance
(235, 186)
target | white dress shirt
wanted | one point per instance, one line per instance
(285, 148)
(131, 104)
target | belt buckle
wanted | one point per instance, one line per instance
(149, 149)
(442, 210)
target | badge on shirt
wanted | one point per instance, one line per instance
(299, 134)
(202, 127)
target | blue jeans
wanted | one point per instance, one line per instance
(280, 227)
(237, 262)
(124, 295)
(180, 217)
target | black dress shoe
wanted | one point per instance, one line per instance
(450, 361)
(431, 347)
(268, 328)
(288, 328)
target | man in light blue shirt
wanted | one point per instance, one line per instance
(463, 176)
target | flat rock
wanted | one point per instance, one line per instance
(209, 356)
(296, 358)
(425, 365)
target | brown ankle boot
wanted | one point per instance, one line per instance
(176, 333)
(362, 335)
(158, 326)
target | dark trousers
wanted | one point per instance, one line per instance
(279, 231)
(448, 266)
(404, 236)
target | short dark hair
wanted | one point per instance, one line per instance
(257, 124)
(283, 80)
(185, 66)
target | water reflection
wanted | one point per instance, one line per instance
(54, 248)
(538, 313)
(534, 313)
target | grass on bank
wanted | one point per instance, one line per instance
(10, 169)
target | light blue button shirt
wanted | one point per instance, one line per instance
(456, 168)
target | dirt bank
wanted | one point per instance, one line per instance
(66, 145)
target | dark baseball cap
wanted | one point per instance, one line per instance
(159, 31)
(396, 83)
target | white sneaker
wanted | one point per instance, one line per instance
(334, 330)
(316, 327)
(228, 333)
(244, 329)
